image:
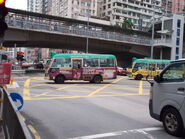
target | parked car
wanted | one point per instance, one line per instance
(122, 71)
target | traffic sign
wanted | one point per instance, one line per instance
(18, 99)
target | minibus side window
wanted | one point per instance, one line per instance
(175, 73)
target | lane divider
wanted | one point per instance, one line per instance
(94, 96)
(119, 133)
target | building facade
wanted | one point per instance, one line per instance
(139, 12)
(39, 6)
(166, 6)
(178, 6)
(74, 8)
(171, 41)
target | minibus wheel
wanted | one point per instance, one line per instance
(138, 77)
(172, 122)
(59, 79)
(97, 79)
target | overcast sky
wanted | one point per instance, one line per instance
(17, 4)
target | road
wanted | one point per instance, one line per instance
(114, 109)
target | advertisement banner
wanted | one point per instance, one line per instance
(5, 73)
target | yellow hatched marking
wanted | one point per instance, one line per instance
(38, 85)
(80, 91)
(94, 96)
(105, 86)
(58, 95)
(140, 87)
(26, 91)
(35, 133)
(58, 89)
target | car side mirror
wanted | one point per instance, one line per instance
(157, 78)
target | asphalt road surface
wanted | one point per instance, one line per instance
(114, 109)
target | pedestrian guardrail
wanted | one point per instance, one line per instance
(18, 71)
(11, 120)
(57, 26)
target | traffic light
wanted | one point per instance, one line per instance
(3, 13)
(20, 56)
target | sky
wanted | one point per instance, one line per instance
(17, 4)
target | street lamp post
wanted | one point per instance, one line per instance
(152, 45)
(166, 7)
(87, 39)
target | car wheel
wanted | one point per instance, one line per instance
(59, 79)
(97, 79)
(172, 121)
(138, 77)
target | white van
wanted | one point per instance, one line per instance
(167, 97)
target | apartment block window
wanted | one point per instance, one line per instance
(109, 5)
(178, 41)
(134, 21)
(157, 2)
(104, 7)
(177, 50)
(88, 4)
(118, 11)
(119, 4)
(178, 23)
(117, 17)
(83, 3)
(178, 32)
(177, 57)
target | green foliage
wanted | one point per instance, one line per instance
(127, 24)
(183, 9)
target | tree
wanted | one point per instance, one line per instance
(183, 9)
(127, 24)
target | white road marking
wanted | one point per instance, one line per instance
(142, 131)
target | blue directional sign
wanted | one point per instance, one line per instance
(17, 97)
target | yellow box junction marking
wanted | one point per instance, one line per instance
(92, 94)
(140, 87)
(58, 89)
(26, 90)
(105, 86)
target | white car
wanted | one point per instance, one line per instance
(167, 98)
